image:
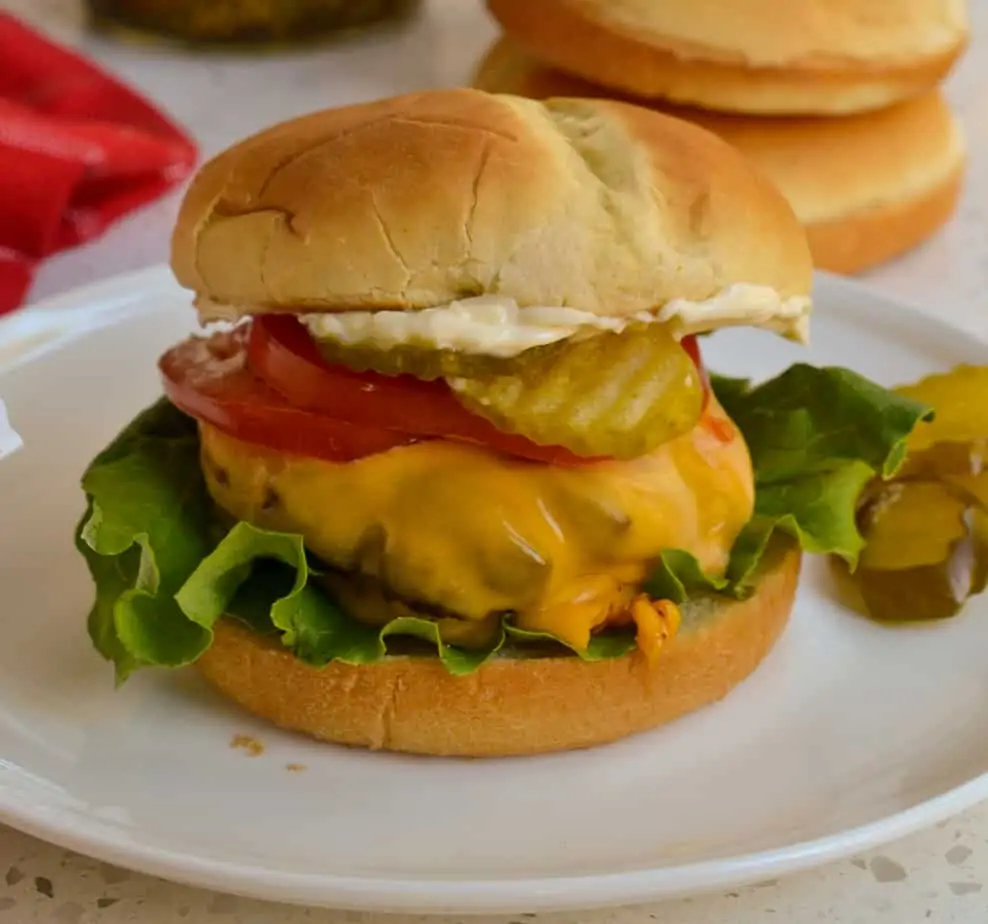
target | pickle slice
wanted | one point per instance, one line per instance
(908, 524)
(959, 398)
(926, 532)
(616, 395)
(963, 465)
(926, 552)
(947, 459)
(421, 361)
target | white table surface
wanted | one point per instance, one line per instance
(939, 876)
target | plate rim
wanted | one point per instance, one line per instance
(59, 320)
(493, 896)
(54, 322)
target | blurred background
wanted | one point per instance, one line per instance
(210, 72)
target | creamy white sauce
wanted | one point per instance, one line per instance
(10, 441)
(494, 325)
(742, 305)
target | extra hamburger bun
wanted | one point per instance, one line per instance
(592, 204)
(866, 187)
(755, 56)
(510, 706)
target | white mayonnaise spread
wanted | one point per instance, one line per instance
(494, 325)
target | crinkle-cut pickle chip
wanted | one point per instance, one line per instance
(926, 552)
(615, 395)
(422, 361)
(960, 399)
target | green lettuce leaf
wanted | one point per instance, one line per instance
(144, 532)
(162, 580)
(601, 648)
(818, 511)
(264, 578)
(817, 436)
(678, 576)
(164, 577)
(812, 419)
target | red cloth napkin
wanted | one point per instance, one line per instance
(77, 151)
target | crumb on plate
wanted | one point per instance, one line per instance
(247, 743)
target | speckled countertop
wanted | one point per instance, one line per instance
(940, 876)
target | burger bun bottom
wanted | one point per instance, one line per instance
(511, 705)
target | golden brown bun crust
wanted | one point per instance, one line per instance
(859, 242)
(509, 706)
(818, 56)
(866, 187)
(422, 199)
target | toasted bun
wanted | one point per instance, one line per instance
(810, 57)
(422, 199)
(510, 705)
(866, 187)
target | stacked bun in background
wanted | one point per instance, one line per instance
(837, 101)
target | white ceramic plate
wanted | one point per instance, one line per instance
(849, 735)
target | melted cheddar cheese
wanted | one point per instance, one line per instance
(656, 621)
(470, 534)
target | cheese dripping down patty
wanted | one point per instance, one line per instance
(469, 534)
(495, 325)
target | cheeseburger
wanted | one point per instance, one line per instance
(445, 472)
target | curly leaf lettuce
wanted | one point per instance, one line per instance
(817, 510)
(145, 531)
(264, 578)
(817, 436)
(812, 419)
(162, 580)
(164, 576)
(678, 576)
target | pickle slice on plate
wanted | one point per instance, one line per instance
(926, 551)
(947, 459)
(616, 395)
(963, 465)
(959, 398)
(926, 531)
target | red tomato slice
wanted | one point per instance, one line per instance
(283, 354)
(208, 379)
(692, 346)
(267, 384)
